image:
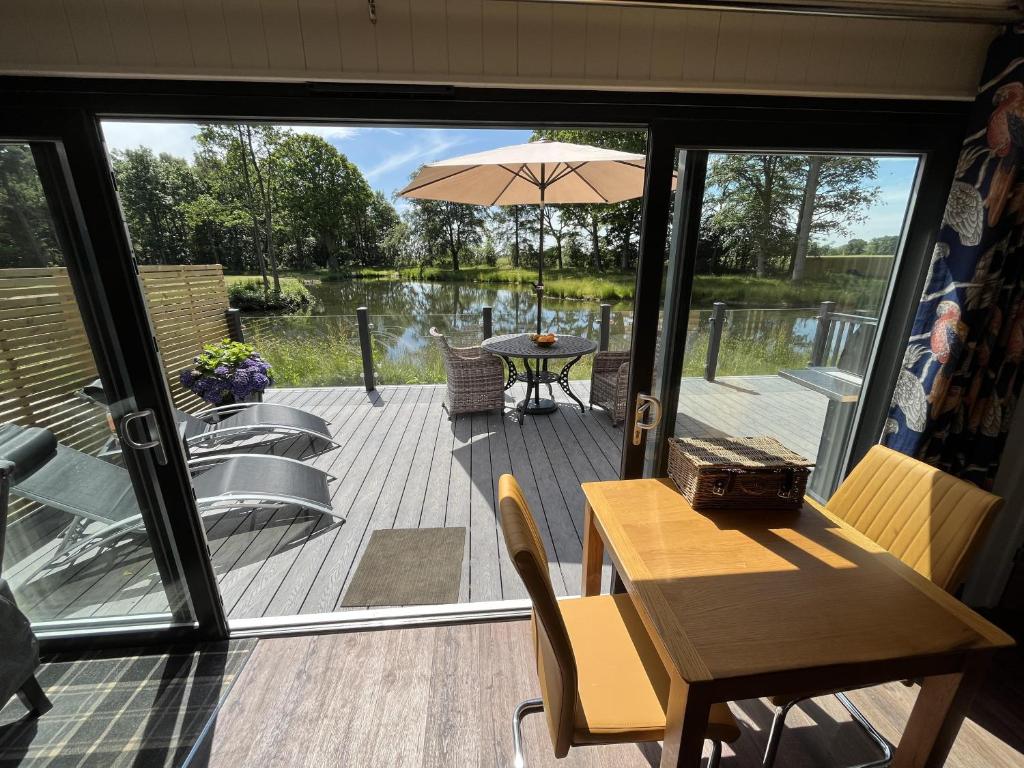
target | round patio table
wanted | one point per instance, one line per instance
(515, 345)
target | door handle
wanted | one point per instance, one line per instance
(645, 404)
(155, 445)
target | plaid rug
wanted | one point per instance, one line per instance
(126, 709)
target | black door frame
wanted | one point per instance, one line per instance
(72, 107)
(936, 145)
(69, 155)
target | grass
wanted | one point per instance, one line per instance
(333, 359)
(764, 354)
(848, 291)
(329, 356)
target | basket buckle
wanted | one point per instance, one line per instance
(720, 487)
(787, 486)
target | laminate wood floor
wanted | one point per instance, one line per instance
(444, 696)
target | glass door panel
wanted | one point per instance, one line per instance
(81, 549)
(780, 286)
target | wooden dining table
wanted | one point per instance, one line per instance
(752, 603)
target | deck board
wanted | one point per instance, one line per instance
(401, 463)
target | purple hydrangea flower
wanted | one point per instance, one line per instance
(222, 370)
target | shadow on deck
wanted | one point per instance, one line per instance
(400, 464)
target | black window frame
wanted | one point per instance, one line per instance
(932, 129)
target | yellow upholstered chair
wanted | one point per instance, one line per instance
(930, 520)
(601, 679)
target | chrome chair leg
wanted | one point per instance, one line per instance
(884, 746)
(716, 754)
(525, 708)
(779, 723)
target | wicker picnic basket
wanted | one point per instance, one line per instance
(738, 472)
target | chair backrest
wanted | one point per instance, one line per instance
(930, 520)
(442, 341)
(64, 478)
(556, 665)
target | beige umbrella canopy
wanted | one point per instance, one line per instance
(536, 173)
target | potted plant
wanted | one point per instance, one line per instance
(228, 372)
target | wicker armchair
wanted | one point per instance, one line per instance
(609, 383)
(476, 379)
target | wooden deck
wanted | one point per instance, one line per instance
(402, 464)
(753, 405)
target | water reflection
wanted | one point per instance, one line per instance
(322, 349)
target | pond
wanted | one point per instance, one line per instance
(322, 348)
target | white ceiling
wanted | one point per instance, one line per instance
(501, 42)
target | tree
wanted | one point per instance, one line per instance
(885, 245)
(506, 223)
(617, 224)
(835, 197)
(239, 159)
(856, 246)
(447, 227)
(325, 197)
(156, 193)
(764, 210)
(803, 229)
(27, 238)
(749, 203)
(558, 227)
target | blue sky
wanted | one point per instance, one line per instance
(388, 157)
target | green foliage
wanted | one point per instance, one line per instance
(739, 355)
(328, 355)
(255, 198)
(155, 192)
(885, 246)
(753, 204)
(447, 231)
(227, 352)
(849, 291)
(27, 238)
(612, 232)
(250, 295)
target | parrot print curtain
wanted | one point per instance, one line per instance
(962, 373)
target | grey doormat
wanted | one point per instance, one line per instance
(408, 566)
(124, 709)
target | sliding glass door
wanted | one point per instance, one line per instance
(97, 539)
(784, 275)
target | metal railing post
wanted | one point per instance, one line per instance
(714, 340)
(606, 319)
(362, 316)
(234, 320)
(822, 331)
(488, 328)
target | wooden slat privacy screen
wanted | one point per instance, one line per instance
(187, 305)
(45, 356)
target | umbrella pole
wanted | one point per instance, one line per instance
(540, 264)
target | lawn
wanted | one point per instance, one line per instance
(328, 355)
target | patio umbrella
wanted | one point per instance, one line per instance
(536, 173)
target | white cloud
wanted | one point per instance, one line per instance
(328, 132)
(179, 138)
(430, 150)
(175, 138)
